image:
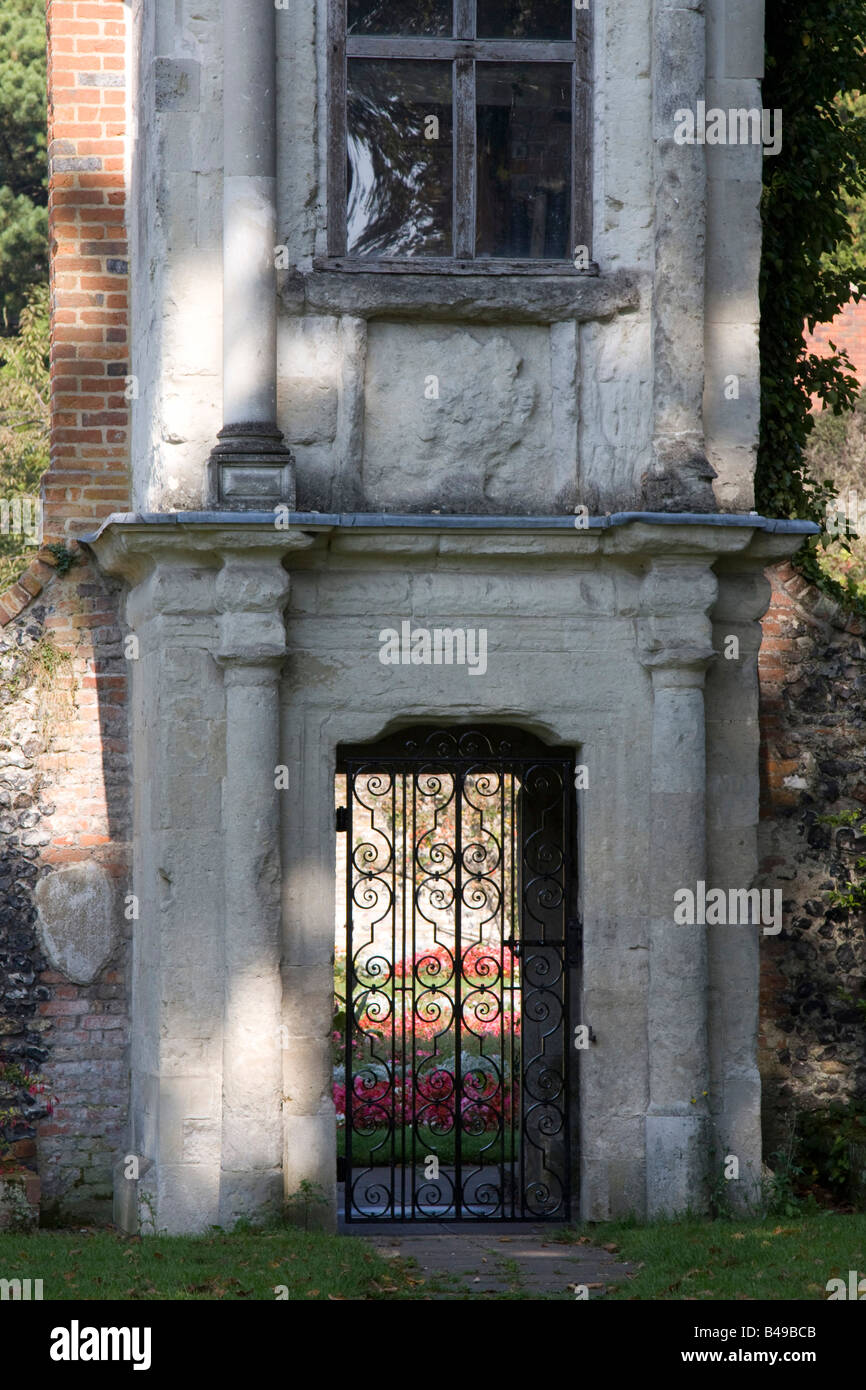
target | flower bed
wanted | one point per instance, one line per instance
(404, 1069)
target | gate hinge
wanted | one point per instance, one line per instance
(342, 818)
(573, 940)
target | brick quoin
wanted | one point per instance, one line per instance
(86, 149)
(85, 764)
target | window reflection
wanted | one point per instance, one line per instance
(524, 160)
(400, 158)
(524, 19)
(431, 18)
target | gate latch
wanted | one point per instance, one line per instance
(573, 940)
(342, 818)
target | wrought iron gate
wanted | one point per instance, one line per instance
(454, 1081)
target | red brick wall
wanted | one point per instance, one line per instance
(89, 475)
(848, 331)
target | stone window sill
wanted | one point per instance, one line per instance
(459, 293)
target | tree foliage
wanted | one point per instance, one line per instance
(816, 50)
(848, 256)
(23, 163)
(24, 421)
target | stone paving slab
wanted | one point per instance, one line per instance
(499, 1259)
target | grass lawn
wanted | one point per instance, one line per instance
(789, 1258)
(244, 1265)
(690, 1260)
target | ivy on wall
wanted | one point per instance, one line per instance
(812, 262)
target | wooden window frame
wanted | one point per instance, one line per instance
(463, 51)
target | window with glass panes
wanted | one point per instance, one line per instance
(459, 132)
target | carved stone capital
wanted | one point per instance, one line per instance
(674, 629)
(251, 592)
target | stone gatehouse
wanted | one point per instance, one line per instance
(495, 372)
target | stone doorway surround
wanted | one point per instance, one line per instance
(258, 649)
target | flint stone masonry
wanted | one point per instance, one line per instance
(50, 815)
(813, 678)
(25, 806)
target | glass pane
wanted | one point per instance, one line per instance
(525, 19)
(524, 160)
(421, 18)
(400, 183)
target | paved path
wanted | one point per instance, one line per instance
(500, 1259)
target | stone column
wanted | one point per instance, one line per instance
(250, 467)
(680, 479)
(733, 793)
(675, 640)
(735, 66)
(251, 592)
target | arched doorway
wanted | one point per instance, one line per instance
(460, 942)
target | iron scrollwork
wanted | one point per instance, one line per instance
(456, 1076)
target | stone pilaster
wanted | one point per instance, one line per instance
(732, 394)
(250, 467)
(733, 795)
(680, 478)
(178, 753)
(251, 591)
(675, 644)
(206, 619)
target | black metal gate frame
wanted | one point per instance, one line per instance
(491, 752)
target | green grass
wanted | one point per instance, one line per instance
(783, 1259)
(246, 1265)
(787, 1258)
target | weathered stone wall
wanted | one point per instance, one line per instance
(541, 405)
(813, 681)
